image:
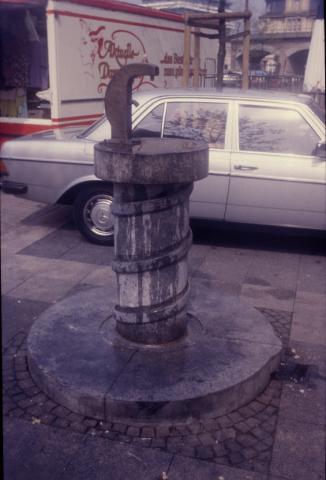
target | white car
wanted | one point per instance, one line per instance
(266, 159)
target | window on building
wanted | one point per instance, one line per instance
(314, 4)
(275, 6)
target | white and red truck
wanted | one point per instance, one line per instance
(58, 57)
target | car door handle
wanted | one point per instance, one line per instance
(244, 167)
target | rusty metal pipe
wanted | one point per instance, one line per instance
(118, 99)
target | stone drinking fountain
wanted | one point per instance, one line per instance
(151, 352)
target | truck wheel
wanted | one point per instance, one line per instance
(92, 215)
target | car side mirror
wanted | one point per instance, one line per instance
(320, 150)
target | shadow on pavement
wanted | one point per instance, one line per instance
(259, 238)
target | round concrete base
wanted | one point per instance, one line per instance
(224, 361)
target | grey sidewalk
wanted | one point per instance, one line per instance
(279, 436)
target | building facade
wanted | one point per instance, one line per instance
(281, 43)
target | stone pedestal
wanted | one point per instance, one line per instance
(152, 184)
(149, 355)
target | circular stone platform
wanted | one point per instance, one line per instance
(223, 362)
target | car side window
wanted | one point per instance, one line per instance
(198, 121)
(278, 130)
(151, 125)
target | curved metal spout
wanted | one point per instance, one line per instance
(118, 98)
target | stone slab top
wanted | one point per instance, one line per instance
(152, 161)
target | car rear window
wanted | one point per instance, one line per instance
(279, 130)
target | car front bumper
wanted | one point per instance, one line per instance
(15, 188)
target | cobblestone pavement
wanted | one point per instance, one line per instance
(243, 438)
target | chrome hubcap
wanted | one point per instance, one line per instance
(98, 216)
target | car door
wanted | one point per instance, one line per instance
(275, 177)
(205, 120)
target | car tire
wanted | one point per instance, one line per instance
(93, 216)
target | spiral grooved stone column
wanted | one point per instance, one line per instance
(152, 233)
(152, 240)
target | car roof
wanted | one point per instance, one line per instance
(226, 93)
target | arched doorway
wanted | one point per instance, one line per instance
(297, 62)
(255, 58)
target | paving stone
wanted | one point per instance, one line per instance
(181, 429)
(49, 405)
(25, 384)
(124, 438)
(133, 431)
(187, 451)
(147, 432)
(261, 467)
(144, 442)
(211, 425)
(204, 452)
(18, 397)
(47, 418)
(246, 411)
(14, 390)
(196, 428)
(220, 450)
(32, 391)
(249, 453)
(77, 427)
(269, 425)
(222, 460)
(61, 411)
(246, 440)
(89, 422)
(259, 432)
(235, 458)
(235, 417)
(72, 417)
(265, 457)
(162, 431)
(206, 439)
(225, 422)
(27, 402)
(61, 423)
(191, 440)
(232, 445)
(228, 433)
(22, 375)
(17, 412)
(35, 410)
(159, 443)
(260, 446)
(268, 440)
(242, 427)
(8, 406)
(110, 435)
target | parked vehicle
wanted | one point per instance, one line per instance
(232, 79)
(58, 56)
(266, 159)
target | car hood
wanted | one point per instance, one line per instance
(47, 145)
(55, 134)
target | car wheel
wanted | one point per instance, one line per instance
(93, 216)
